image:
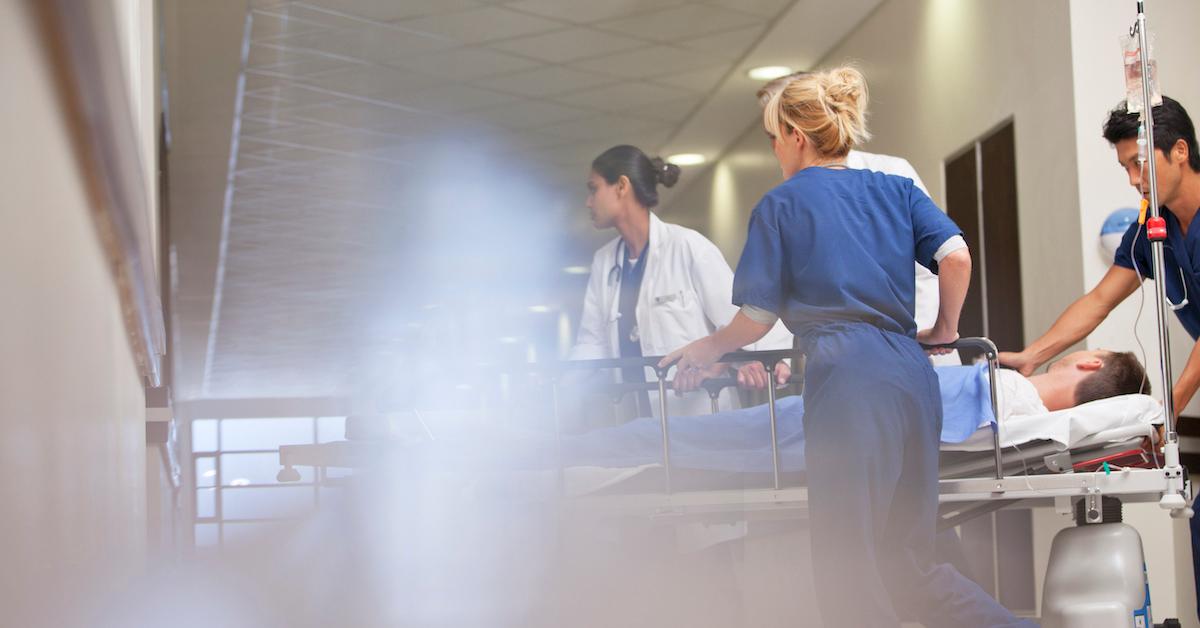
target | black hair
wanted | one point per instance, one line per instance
(1171, 124)
(1121, 374)
(643, 172)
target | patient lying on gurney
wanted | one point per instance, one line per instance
(1034, 408)
(1074, 380)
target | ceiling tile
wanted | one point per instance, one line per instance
(649, 62)
(529, 113)
(375, 81)
(369, 43)
(293, 61)
(264, 56)
(547, 81)
(376, 118)
(475, 26)
(465, 64)
(763, 8)
(455, 97)
(599, 126)
(270, 25)
(732, 43)
(671, 112)
(585, 11)
(622, 96)
(388, 11)
(682, 22)
(567, 45)
(701, 80)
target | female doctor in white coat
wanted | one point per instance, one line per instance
(657, 286)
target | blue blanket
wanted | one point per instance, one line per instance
(740, 440)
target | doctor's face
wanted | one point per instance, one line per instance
(1168, 169)
(602, 201)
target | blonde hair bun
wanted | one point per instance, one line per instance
(828, 107)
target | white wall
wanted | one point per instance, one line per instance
(136, 31)
(1103, 186)
(943, 73)
(72, 451)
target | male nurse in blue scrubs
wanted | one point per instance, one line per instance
(1178, 169)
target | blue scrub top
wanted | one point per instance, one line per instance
(1180, 256)
(831, 246)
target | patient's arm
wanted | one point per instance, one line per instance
(1079, 319)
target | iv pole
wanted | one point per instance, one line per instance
(1156, 231)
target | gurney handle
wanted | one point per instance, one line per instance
(989, 350)
(981, 344)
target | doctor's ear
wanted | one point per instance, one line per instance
(1179, 152)
(623, 186)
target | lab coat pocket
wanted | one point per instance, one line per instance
(676, 299)
(676, 318)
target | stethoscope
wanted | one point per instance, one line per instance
(1174, 307)
(614, 278)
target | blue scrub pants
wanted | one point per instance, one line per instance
(873, 416)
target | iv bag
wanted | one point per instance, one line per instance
(1133, 73)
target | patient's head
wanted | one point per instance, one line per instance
(1101, 374)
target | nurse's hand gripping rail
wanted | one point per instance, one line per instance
(714, 386)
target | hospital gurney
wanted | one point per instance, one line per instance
(1036, 473)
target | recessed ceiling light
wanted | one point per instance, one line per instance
(539, 309)
(240, 482)
(769, 72)
(687, 159)
(577, 270)
(210, 473)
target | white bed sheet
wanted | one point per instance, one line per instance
(1110, 420)
(1107, 420)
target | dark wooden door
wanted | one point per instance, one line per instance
(981, 196)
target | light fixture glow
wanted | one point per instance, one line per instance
(211, 473)
(509, 340)
(577, 270)
(687, 159)
(539, 309)
(240, 482)
(769, 72)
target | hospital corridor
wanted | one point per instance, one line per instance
(599, 313)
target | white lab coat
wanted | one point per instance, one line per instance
(686, 294)
(927, 295)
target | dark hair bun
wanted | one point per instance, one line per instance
(644, 174)
(665, 173)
